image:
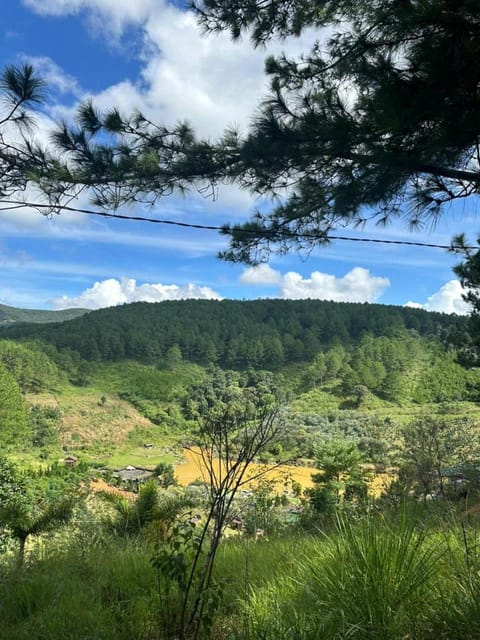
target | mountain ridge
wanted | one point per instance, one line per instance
(13, 315)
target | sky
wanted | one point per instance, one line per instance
(151, 55)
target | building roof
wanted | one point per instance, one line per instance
(132, 473)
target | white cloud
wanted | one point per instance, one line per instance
(358, 285)
(112, 292)
(262, 274)
(113, 15)
(53, 74)
(448, 299)
(208, 80)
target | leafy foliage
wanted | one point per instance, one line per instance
(36, 503)
(341, 478)
(430, 445)
(44, 425)
(29, 365)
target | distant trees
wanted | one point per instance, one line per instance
(13, 411)
(316, 372)
(24, 368)
(326, 365)
(430, 444)
(400, 367)
(443, 379)
(173, 356)
(44, 425)
(29, 365)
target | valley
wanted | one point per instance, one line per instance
(112, 462)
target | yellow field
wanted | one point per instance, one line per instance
(191, 469)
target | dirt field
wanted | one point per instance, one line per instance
(192, 469)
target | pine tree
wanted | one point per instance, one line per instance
(379, 117)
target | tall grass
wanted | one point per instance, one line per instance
(108, 594)
(375, 579)
(367, 580)
(459, 587)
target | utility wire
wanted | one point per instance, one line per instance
(190, 225)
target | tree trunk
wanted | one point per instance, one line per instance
(21, 551)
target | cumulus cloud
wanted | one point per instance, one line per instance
(112, 292)
(358, 285)
(448, 299)
(261, 274)
(207, 79)
(53, 74)
(114, 14)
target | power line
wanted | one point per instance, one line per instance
(190, 225)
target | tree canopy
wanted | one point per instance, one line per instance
(379, 119)
(232, 333)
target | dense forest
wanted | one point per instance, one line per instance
(329, 359)
(234, 334)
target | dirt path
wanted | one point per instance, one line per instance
(100, 485)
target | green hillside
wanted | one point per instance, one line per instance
(234, 334)
(13, 315)
(372, 406)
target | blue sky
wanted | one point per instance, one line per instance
(150, 54)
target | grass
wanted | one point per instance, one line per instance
(372, 580)
(381, 579)
(107, 593)
(112, 430)
(140, 459)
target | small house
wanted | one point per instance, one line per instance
(130, 473)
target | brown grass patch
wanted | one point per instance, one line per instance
(86, 421)
(98, 485)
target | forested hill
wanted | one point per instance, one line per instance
(11, 315)
(259, 333)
